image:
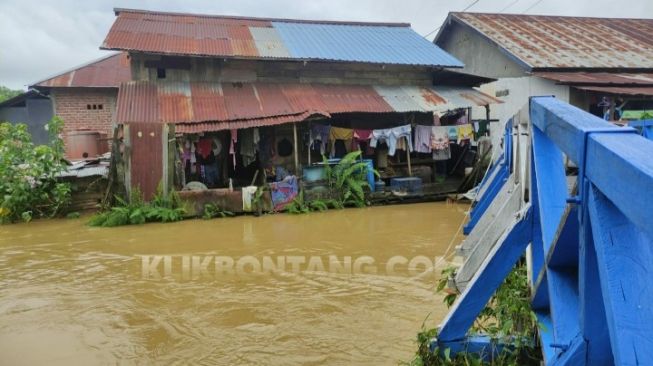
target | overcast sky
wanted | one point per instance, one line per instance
(42, 38)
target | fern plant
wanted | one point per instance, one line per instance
(164, 207)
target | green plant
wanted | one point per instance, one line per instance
(164, 207)
(29, 187)
(507, 318)
(348, 179)
(299, 205)
(73, 215)
(212, 211)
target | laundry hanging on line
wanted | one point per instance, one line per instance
(390, 136)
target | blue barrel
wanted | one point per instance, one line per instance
(370, 173)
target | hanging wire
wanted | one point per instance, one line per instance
(509, 6)
(466, 8)
(532, 6)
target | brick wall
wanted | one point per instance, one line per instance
(90, 109)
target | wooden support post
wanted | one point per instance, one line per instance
(296, 148)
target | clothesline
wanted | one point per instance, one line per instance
(420, 138)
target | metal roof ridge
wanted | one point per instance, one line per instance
(117, 11)
(513, 15)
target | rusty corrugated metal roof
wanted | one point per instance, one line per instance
(253, 38)
(108, 71)
(598, 78)
(539, 41)
(198, 106)
(247, 123)
(619, 90)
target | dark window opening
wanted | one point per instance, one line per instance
(100, 106)
(88, 106)
(94, 106)
(160, 73)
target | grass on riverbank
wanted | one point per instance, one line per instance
(507, 317)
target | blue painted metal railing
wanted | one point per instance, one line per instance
(499, 172)
(645, 127)
(592, 249)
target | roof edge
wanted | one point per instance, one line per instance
(455, 13)
(452, 18)
(278, 59)
(35, 84)
(117, 12)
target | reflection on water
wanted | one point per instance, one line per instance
(70, 294)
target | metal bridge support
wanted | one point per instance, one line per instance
(591, 247)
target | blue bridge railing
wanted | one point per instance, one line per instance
(590, 247)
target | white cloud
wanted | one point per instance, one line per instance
(42, 38)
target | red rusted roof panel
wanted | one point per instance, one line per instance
(598, 78)
(246, 123)
(622, 90)
(183, 34)
(229, 105)
(183, 102)
(106, 72)
(568, 42)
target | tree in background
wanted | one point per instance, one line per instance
(29, 186)
(6, 93)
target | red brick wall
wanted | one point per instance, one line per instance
(71, 104)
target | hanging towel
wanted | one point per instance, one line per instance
(338, 133)
(249, 139)
(390, 136)
(453, 133)
(361, 136)
(465, 132)
(232, 148)
(423, 139)
(480, 129)
(204, 147)
(248, 195)
(440, 143)
(320, 133)
(436, 119)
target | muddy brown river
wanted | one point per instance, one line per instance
(341, 287)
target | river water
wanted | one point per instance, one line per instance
(313, 289)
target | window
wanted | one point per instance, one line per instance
(160, 73)
(95, 106)
(100, 106)
(88, 106)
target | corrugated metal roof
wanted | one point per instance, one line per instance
(565, 42)
(619, 90)
(84, 169)
(386, 45)
(217, 106)
(108, 71)
(238, 37)
(598, 78)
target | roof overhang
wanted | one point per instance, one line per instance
(604, 82)
(201, 106)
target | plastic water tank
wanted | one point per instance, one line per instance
(82, 144)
